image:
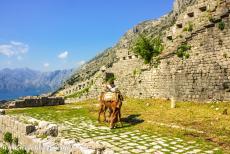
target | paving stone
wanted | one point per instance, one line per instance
(137, 151)
(157, 147)
(209, 152)
(123, 141)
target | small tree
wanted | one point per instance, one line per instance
(147, 48)
(182, 51)
(8, 137)
(4, 150)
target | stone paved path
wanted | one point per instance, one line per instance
(126, 141)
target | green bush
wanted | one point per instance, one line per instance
(19, 151)
(4, 150)
(221, 25)
(182, 51)
(188, 27)
(110, 79)
(8, 137)
(147, 48)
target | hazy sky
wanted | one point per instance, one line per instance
(58, 34)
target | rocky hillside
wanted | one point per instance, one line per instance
(108, 57)
(198, 29)
(22, 82)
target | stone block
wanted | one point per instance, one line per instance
(26, 129)
(2, 112)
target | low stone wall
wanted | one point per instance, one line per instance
(27, 135)
(37, 102)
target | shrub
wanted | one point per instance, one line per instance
(110, 79)
(136, 72)
(8, 137)
(147, 48)
(4, 150)
(42, 136)
(221, 25)
(19, 151)
(188, 27)
(15, 140)
(182, 51)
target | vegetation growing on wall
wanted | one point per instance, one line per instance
(110, 78)
(4, 150)
(221, 25)
(8, 137)
(182, 51)
(79, 93)
(136, 72)
(19, 151)
(147, 48)
(188, 27)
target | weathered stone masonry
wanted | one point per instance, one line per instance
(204, 76)
(26, 134)
(36, 102)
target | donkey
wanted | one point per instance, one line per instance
(114, 107)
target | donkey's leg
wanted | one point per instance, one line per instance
(119, 117)
(99, 113)
(110, 114)
(112, 118)
(104, 113)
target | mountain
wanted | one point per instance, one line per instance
(19, 82)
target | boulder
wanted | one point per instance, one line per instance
(45, 128)
(2, 112)
(52, 130)
(42, 124)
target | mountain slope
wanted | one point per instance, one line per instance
(197, 29)
(108, 57)
(22, 82)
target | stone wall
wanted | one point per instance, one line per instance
(204, 76)
(26, 134)
(36, 102)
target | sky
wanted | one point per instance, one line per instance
(49, 35)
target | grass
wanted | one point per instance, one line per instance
(146, 115)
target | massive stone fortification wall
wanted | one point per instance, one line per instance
(204, 76)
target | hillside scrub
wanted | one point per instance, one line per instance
(147, 48)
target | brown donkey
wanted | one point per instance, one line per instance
(114, 107)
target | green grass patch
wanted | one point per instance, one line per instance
(143, 114)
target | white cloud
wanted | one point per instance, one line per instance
(46, 65)
(79, 63)
(63, 55)
(13, 49)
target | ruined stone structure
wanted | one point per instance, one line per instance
(205, 75)
(36, 102)
(29, 139)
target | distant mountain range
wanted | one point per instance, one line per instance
(15, 83)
